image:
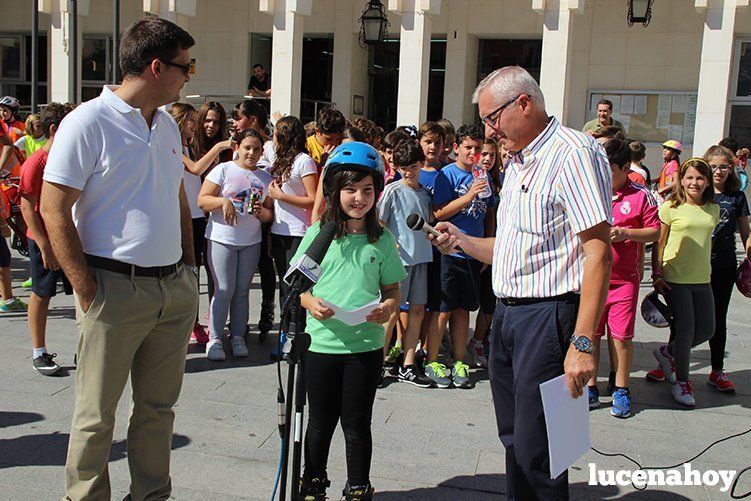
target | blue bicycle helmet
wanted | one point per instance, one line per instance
(354, 156)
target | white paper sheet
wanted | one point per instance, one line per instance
(356, 316)
(679, 103)
(627, 105)
(640, 105)
(567, 422)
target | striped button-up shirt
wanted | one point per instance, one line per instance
(555, 188)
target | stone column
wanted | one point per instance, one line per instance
(461, 65)
(714, 71)
(286, 59)
(61, 47)
(414, 58)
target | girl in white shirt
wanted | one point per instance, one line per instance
(293, 190)
(235, 196)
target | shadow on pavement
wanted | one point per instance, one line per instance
(487, 486)
(50, 449)
(9, 418)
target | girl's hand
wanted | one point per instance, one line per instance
(256, 211)
(224, 145)
(275, 191)
(660, 285)
(317, 309)
(380, 315)
(230, 215)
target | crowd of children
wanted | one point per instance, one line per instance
(259, 194)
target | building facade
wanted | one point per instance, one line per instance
(686, 76)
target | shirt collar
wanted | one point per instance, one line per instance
(114, 101)
(528, 154)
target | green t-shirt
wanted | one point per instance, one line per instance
(688, 251)
(353, 272)
(593, 125)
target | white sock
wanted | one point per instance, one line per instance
(39, 351)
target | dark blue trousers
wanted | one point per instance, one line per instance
(527, 346)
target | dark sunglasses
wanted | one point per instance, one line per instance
(184, 67)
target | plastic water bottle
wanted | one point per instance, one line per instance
(479, 172)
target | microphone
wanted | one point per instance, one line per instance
(417, 223)
(306, 271)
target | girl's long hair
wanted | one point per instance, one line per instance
(180, 112)
(201, 143)
(495, 172)
(678, 196)
(334, 212)
(733, 182)
(290, 142)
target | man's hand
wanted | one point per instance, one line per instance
(86, 296)
(449, 240)
(578, 367)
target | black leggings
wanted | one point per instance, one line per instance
(266, 268)
(722, 288)
(199, 249)
(341, 386)
(283, 247)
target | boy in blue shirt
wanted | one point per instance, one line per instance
(457, 199)
(400, 199)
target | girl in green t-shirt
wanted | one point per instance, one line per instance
(682, 270)
(343, 364)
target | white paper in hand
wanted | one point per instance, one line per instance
(356, 316)
(567, 421)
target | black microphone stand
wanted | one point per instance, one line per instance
(295, 348)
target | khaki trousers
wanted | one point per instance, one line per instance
(137, 327)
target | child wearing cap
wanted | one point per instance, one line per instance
(671, 151)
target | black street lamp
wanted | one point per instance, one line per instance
(373, 24)
(639, 11)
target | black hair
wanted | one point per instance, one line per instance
(52, 114)
(244, 134)
(618, 151)
(469, 131)
(333, 212)
(251, 108)
(330, 121)
(606, 102)
(393, 138)
(151, 38)
(730, 143)
(257, 66)
(407, 153)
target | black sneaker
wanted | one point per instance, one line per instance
(408, 374)
(381, 378)
(266, 321)
(45, 365)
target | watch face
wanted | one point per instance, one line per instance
(582, 343)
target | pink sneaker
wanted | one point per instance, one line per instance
(199, 335)
(720, 380)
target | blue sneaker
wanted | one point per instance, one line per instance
(594, 397)
(621, 403)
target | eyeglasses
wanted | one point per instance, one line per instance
(492, 118)
(184, 67)
(722, 167)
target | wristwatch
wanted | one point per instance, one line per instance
(582, 344)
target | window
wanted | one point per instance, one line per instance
(96, 67)
(740, 93)
(15, 66)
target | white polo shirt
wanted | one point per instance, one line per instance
(555, 188)
(129, 177)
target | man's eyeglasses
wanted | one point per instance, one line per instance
(492, 118)
(721, 167)
(184, 67)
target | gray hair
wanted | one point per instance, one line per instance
(509, 81)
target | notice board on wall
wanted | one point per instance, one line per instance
(650, 116)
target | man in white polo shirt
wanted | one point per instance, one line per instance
(119, 224)
(554, 210)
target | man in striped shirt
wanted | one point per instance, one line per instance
(554, 211)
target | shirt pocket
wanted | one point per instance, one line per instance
(535, 213)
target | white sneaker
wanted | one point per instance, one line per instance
(683, 393)
(238, 347)
(214, 350)
(666, 362)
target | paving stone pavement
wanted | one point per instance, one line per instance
(428, 444)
